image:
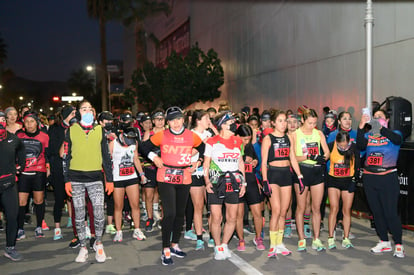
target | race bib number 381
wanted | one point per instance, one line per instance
(375, 159)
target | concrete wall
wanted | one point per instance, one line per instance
(284, 54)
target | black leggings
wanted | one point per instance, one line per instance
(10, 205)
(56, 175)
(189, 214)
(382, 193)
(174, 201)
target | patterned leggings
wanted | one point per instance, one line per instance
(96, 195)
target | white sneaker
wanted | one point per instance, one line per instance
(58, 234)
(82, 256)
(100, 253)
(157, 215)
(281, 249)
(227, 251)
(87, 232)
(399, 251)
(382, 247)
(219, 253)
(118, 237)
(138, 234)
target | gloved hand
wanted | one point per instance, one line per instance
(68, 189)
(352, 186)
(318, 158)
(267, 190)
(109, 187)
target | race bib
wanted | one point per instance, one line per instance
(174, 176)
(341, 170)
(313, 148)
(126, 170)
(31, 162)
(375, 159)
(248, 168)
(229, 186)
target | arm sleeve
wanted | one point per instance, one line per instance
(357, 162)
(394, 137)
(106, 159)
(21, 154)
(199, 145)
(330, 146)
(67, 156)
(151, 144)
(361, 141)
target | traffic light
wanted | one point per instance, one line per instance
(56, 99)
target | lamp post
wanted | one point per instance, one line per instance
(369, 23)
(91, 69)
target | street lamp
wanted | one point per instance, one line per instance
(20, 97)
(1, 86)
(92, 69)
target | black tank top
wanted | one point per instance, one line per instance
(279, 148)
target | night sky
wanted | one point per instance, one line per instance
(47, 39)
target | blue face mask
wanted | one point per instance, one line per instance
(87, 118)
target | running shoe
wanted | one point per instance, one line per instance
(235, 236)
(149, 225)
(20, 235)
(302, 245)
(382, 247)
(92, 243)
(248, 229)
(399, 251)
(44, 226)
(331, 243)
(346, 243)
(39, 233)
(190, 235)
(307, 231)
(110, 229)
(272, 252)
(241, 246)
(227, 251)
(282, 249)
(138, 235)
(258, 242)
(118, 236)
(288, 232)
(156, 215)
(88, 234)
(317, 245)
(199, 245)
(11, 253)
(144, 216)
(219, 253)
(58, 234)
(82, 256)
(177, 252)
(166, 258)
(74, 243)
(69, 224)
(211, 243)
(100, 255)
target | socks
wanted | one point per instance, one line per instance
(288, 222)
(279, 239)
(306, 218)
(200, 237)
(40, 213)
(273, 237)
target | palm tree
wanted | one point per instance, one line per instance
(103, 10)
(135, 12)
(3, 51)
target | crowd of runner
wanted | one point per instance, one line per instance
(170, 168)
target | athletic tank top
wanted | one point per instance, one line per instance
(308, 144)
(279, 148)
(337, 167)
(123, 162)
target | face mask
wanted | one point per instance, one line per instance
(87, 118)
(2, 130)
(233, 127)
(383, 122)
(108, 126)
